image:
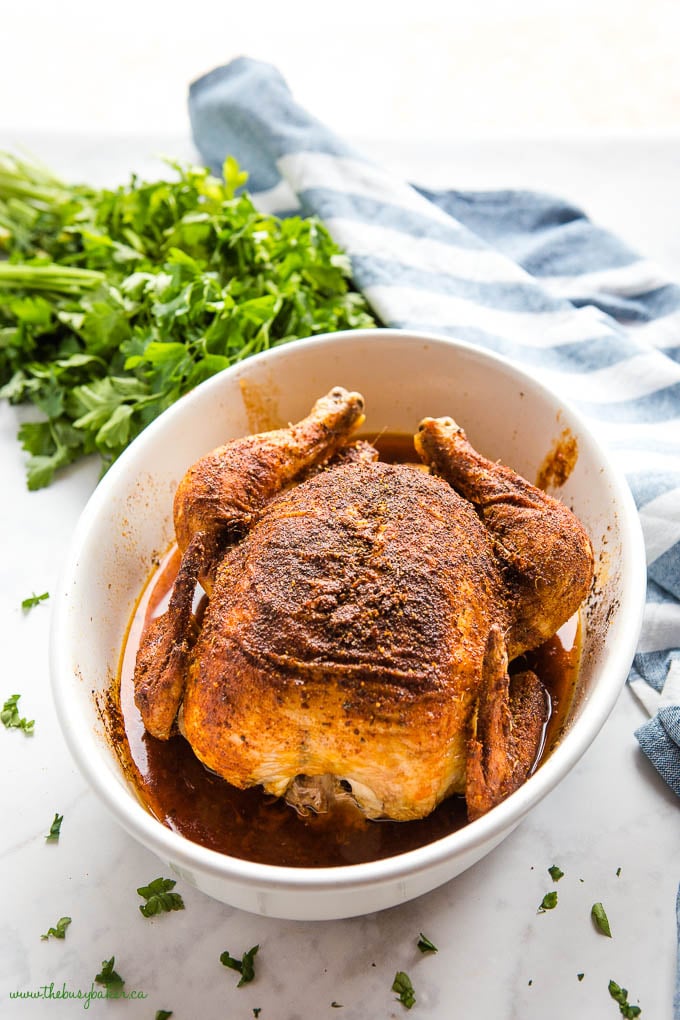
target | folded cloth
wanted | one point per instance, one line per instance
(523, 274)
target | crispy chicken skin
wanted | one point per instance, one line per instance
(361, 616)
(221, 495)
(216, 503)
(543, 550)
(336, 644)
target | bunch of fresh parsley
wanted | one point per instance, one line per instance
(114, 303)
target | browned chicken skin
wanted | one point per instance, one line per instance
(361, 617)
(216, 503)
(544, 552)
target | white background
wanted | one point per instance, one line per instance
(434, 69)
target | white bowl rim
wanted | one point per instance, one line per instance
(172, 846)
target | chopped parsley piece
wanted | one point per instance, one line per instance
(110, 978)
(404, 989)
(55, 829)
(618, 872)
(9, 716)
(555, 873)
(580, 976)
(60, 931)
(158, 897)
(245, 966)
(425, 946)
(256, 1011)
(34, 600)
(600, 918)
(530, 982)
(163, 1014)
(336, 1005)
(620, 995)
(549, 902)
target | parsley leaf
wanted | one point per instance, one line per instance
(620, 995)
(404, 989)
(600, 918)
(245, 966)
(580, 976)
(555, 873)
(60, 931)
(110, 978)
(9, 716)
(424, 944)
(158, 897)
(163, 1014)
(55, 829)
(549, 902)
(117, 302)
(34, 600)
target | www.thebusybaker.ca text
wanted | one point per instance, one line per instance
(52, 991)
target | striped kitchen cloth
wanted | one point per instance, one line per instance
(523, 274)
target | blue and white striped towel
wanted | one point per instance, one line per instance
(523, 274)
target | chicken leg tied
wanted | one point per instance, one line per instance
(544, 549)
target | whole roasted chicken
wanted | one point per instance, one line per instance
(360, 617)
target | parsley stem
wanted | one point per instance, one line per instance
(52, 277)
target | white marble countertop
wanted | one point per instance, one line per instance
(497, 957)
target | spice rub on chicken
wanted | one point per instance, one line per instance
(361, 616)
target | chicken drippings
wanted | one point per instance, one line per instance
(178, 790)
